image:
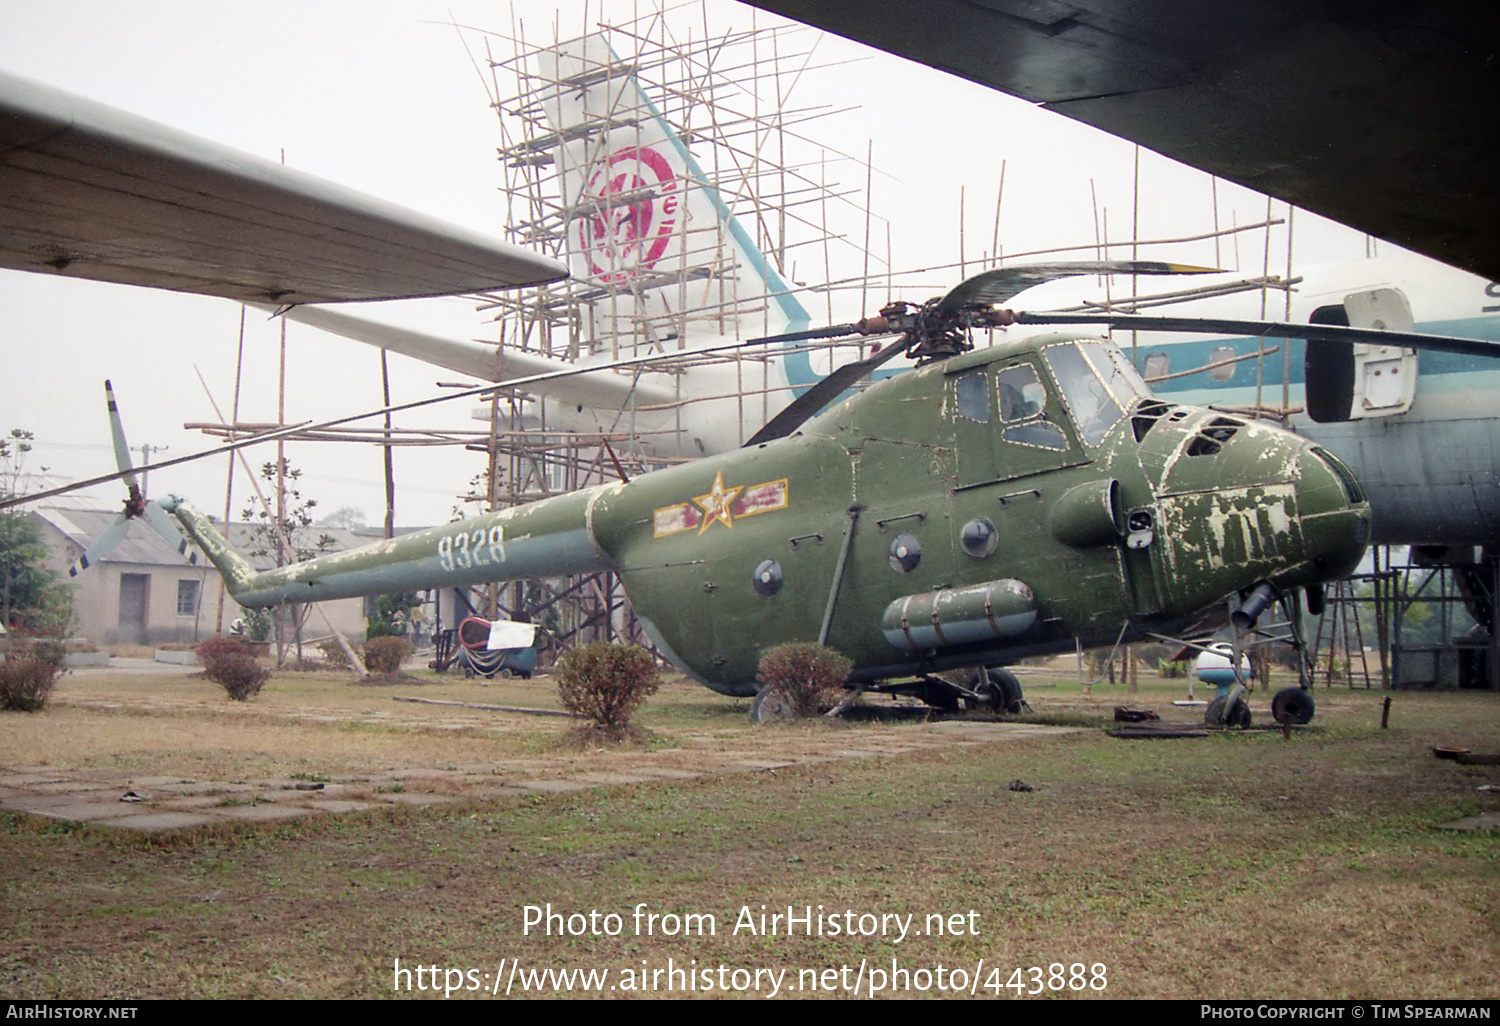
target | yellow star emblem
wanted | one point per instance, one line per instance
(718, 503)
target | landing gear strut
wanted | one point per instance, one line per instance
(992, 688)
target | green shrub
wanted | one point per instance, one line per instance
(27, 676)
(229, 664)
(393, 614)
(384, 655)
(606, 682)
(257, 624)
(809, 677)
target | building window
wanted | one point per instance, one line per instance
(187, 598)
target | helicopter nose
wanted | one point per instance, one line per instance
(1335, 518)
(1242, 504)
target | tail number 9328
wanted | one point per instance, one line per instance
(468, 549)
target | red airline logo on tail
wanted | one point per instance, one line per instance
(634, 196)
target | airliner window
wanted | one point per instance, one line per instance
(973, 397)
(1090, 402)
(1226, 370)
(1158, 364)
(1023, 403)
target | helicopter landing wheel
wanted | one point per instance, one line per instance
(989, 696)
(1237, 717)
(999, 691)
(770, 705)
(1294, 705)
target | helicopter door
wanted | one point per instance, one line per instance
(973, 418)
(1362, 381)
(1008, 425)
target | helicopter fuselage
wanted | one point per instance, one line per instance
(974, 511)
(990, 506)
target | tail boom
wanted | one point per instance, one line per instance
(549, 538)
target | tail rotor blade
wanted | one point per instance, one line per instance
(164, 524)
(117, 433)
(107, 540)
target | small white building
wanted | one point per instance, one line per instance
(145, 592)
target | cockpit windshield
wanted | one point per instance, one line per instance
(1114, 367)
(1098, 385)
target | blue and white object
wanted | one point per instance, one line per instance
(1215, 665)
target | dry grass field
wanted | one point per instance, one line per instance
(1228, 866)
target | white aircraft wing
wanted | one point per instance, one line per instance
(93, 192)
(486, 362)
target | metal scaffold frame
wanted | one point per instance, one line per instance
(727, 97)
(1409, 622)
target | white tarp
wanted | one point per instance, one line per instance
(507, 634)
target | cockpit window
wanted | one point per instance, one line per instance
(972, 394)
(1021, 393)
(1023, 406)
(1091, 402)
(1115, 368)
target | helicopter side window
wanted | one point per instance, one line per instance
(1088, 399)
(972, 397)
(1023, 404)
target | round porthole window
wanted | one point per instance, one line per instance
(768, 579)
(906, 553)
(978, 538)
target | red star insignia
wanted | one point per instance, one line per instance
(717, 503)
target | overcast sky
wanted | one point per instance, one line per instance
(385, 97)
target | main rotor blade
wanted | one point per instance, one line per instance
(810, 403)
(117, 433)
(1276, 329)
(467, 393)
(1003, 283)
